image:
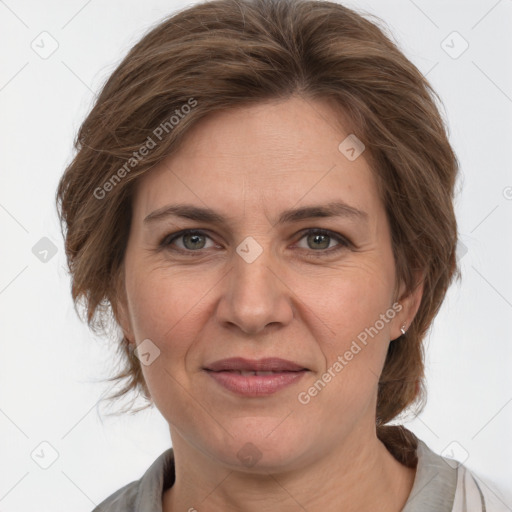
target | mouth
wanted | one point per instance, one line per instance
(251, 372)
(266, 365)
(255, 378)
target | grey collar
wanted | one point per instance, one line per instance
(433, 489)
(434, 485)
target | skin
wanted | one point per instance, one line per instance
(208, 303)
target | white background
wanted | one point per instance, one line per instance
(51, 366)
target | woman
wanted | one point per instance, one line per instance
(263, 196)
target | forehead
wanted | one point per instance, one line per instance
(261, 156)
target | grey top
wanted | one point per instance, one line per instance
(440, 485)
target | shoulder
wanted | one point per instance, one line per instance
(474, 494)
(445, 485)
(122, 500)
(145, 493)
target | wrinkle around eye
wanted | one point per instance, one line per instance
(342, 243)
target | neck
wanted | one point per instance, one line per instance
(352, 477)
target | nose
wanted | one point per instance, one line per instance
(255, 295)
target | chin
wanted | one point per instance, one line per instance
(262, 445)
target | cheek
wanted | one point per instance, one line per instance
(164, 308)
(346, 303)
(160, 309)
(352, 334)
(164, 302)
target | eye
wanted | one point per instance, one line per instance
(192, 241)
(319, 242)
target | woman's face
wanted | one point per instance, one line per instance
(313, 289)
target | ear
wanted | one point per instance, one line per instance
(121, 310)
(410, 304)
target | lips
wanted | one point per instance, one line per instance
(255, 378)
(265, 366)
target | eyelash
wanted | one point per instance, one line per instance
(343, 242)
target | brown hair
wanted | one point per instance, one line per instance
(223, 54)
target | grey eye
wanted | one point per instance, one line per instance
(193, 241)
(318, 241)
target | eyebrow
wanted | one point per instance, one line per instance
(188, 211)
